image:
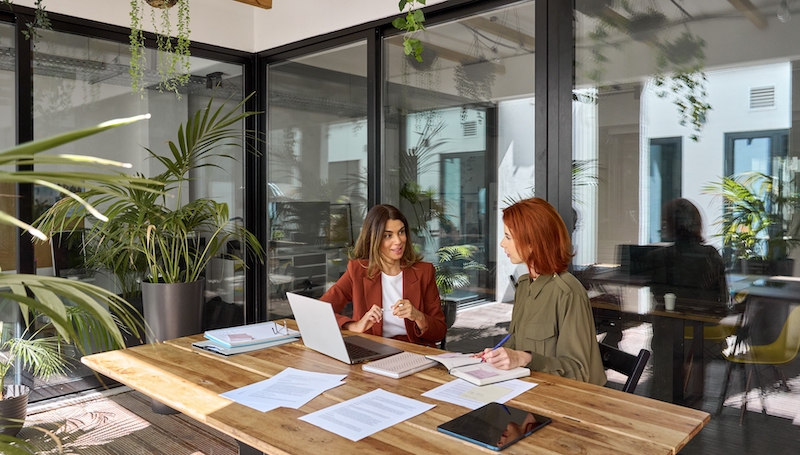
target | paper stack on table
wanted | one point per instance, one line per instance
(251, 334)
(290, 388)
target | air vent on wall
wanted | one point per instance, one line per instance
(762, 97)
(470, 128)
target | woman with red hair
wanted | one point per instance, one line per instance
(552, 328)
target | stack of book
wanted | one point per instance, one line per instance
(246, 338)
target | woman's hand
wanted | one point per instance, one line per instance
(405, 310)
(506, 359)
(370, 318)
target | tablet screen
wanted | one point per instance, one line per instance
(494, 425)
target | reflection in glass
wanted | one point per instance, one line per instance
(450, 122)
(317, 169)
(673, 102)
(80, 82)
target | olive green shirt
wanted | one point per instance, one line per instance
(552, 320)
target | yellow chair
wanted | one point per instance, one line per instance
(781, 351)
(718, 333)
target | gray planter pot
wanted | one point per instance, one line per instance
(13, 409)
(172, 310)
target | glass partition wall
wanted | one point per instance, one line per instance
(317, 169)
(457, 127)
(80, 81)
(685, 183)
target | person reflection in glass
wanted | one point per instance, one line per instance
(691, 270)
(515, 430)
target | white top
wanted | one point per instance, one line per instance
(392, 287)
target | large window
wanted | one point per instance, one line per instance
(8, 136)
(684, 114)
(317, 175)
(81, 81)
(458, 139)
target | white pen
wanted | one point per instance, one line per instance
(391, 309)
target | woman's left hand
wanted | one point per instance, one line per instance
(404, 309)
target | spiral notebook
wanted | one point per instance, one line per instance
(399, 365)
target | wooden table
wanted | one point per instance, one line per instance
(586, 418)
(669, 362)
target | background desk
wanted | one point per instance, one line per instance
(586, 418)
(669, 345)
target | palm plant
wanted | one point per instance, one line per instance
(449, 278)
(144, 237)
(753, 224)
(42, 293)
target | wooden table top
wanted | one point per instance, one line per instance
(586, 418)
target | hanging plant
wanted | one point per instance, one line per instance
(40, 20)
(643, 24)
(474, 78)
(173, 55)
(411, 24)
(684, 59)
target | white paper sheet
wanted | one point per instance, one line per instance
(291, 388)
(471, 396)
(362, 416)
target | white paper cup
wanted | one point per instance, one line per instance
(669, 301)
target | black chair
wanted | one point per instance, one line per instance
(627, 364)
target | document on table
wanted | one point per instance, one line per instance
(290, 388)
(471, 396)
(362, 416)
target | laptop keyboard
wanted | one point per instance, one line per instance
(358, 352)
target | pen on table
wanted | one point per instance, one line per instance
(505, 338)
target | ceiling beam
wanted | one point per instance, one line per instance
(266, 4)
(750, 11)
(515, 36)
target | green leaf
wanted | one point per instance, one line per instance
(400, 23)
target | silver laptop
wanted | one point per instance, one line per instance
(320, 332)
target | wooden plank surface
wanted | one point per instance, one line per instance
(586, 418)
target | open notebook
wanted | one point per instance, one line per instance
(476, 371)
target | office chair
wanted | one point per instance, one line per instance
(627, 364)
(781, 351)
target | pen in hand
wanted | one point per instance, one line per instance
(505, 338)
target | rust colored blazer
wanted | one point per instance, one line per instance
(419, 287)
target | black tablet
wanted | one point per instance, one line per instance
(494, 425)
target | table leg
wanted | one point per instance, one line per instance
(668, 360)
(697, 375)
(245, 449)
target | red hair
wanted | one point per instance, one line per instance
(540, 235)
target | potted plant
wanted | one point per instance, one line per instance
(159, 237)
(173, 58)
(756, 223)
(40, 350)
(173, 239)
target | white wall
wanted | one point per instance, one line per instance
(225, 23)
(293, 20)
(703, 161)
(236, 25)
